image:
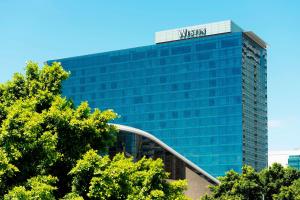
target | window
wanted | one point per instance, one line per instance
(212, 74)
(151, 116)
(103, 86)
(187, 86)
(162, 124)
(120, 58)
(212, 64)
(162, 61)
(138, 55)
(73, 73)
(206, 46)
(186, 95)
(187, 113)
(82, 89)
(174, 115)
(137, 100)
(180, 50)
(164, 52)
(211, 102)
(229, 43)
(212, 92)
(73, 89)
(163, 79)
(174, 87)
(187, 58)
(113, 85)
(203, 56)
(212, 83)
(162, 115)
(151, 53)
(236, 70)
(93, 79)
(102, 69)
(82, 81)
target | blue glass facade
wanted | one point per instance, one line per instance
(294, 161)
(188, 93)
(254, 84)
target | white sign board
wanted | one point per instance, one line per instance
(196, 31)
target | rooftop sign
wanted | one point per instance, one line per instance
(186, 33)
(196, 31)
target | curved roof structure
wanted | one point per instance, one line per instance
(166, 147)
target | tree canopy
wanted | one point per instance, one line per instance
(50, 149)
(275, 182)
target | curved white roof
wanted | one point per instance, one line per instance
(165, 146)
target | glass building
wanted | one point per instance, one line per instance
(202, 90)
(294, 161)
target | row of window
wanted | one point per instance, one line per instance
(151, 52)
(127, 88)
(131, 95)
(156, 79)
(178, 114)
(182, 131)
(173, 103)
(203, 141)
(145, 66)
(188, 123)
(211, 150)
(219, 170)
(173, 115)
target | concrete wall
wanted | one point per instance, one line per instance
(197, 185)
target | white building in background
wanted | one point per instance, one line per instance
(281, 156)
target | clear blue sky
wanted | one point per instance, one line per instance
(42, 30)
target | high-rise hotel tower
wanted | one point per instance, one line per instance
(202, 90)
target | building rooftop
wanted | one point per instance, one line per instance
(204, 30)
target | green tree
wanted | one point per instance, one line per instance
(238, 186)
(267, 184)
(275, 177)
(291, 192)
(121, 178)
(39, 187)
(45, 139)
(43, 133)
